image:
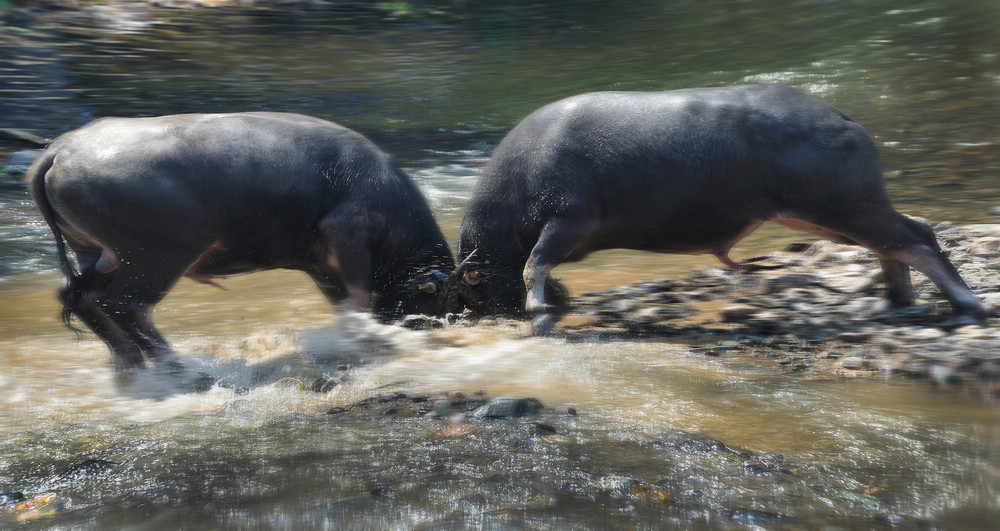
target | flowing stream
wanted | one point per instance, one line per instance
(647, 432)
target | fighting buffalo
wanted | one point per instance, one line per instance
(685, 171)
(143, 202)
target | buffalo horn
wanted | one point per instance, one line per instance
(446, 296)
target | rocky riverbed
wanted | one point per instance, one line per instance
(816, 308)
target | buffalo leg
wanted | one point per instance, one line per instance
(136, 321)
(347, 254)
(78, 294)
(899, 289)
(897, 238)
(130, 293)
(559, 238)
(330, 285)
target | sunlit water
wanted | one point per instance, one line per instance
(438, 91)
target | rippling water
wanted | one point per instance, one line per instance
(438, 88)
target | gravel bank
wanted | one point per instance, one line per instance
(815, 308)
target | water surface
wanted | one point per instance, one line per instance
(438, 88)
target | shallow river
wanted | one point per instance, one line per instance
(661, 436)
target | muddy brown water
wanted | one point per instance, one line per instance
(662, 436)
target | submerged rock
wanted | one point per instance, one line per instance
(422, 322)
(508, 407)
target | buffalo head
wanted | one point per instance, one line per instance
(488, 289)
(430, 291)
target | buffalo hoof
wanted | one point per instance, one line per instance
(959, 320)
(542, 324)
(170, 366)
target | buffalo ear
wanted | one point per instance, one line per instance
(472, 278)
(428, 287)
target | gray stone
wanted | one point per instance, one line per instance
(617, 485)
(421, 322)
(853, 362)
(508, 407)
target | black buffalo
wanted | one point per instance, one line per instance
(685, 171)
(143, 202)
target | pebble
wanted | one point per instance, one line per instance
(854, 363)
(858, 336)
(926, 334)
(617, 485)
(738, 312)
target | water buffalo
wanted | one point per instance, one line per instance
(685, 171)
(143, 202)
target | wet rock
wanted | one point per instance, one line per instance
(7, 498)
(888, 345)
(855, 336)
(855, 362)
(323, 384)
(540, 429)
(987, 247)
(773, 285)
(617, 485)
(825, 251)
(384, 398)
(406, 405)
(852, 283)
(386, 404)
(914, 368)
(738, 312)
(442, 408)
(761, 466)
(974, 332)
(422, 322)
(925, 334)
(508, 407)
